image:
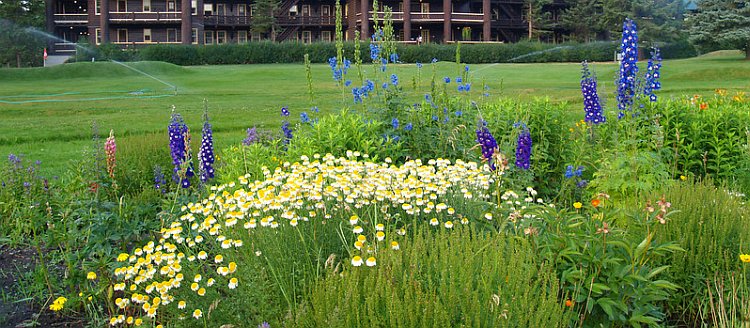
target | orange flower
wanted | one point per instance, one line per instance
(704, 106)
(568, 303)
(595, 202)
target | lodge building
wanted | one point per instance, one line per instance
(138, 23)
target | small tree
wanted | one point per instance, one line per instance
(264, 20)
(721, 24)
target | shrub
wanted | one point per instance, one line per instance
(446, 278)
(713, 227)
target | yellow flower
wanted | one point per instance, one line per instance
(362, 238)
(488, 216)
(91, 276)
(357, 229)
(449, 224)
(745, 258)
(379, 227)
(434, 221)
(197, 314)
(353, 220)
(394, 245)
(181, 305)
(370, 261)
(202, 291)
(380, 235)
(577, 205)
(683, 178)
(357, 261)
(233, 283)
(122, 257)
(138, 322)
(58, 304)
(219, 258)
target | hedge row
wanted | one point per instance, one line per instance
(293, 52)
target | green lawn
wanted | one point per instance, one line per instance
(47, 113)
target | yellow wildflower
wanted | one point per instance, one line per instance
(91, 276)
(577, 205)
(745, 258)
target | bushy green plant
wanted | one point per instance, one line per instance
(712, 226)
(441, 278)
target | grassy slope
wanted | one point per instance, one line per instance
(243, 96)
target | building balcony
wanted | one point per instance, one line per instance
(171, 17)
(313, 20)
(71, 19)
(225, 20)
(430, 17)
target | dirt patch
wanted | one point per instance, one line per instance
(15, 311)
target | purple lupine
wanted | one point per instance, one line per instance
(487, 143)
(394, 79)
(252, 137)
(652, 75)
(206, 153)
(591, 104)
(284, 111)
(523, 149)
(626, 81)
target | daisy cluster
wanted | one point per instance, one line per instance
(318, 188)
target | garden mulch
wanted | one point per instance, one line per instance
(16, 312)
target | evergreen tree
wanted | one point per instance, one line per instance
(264, 20)
(721, 24)
(582, 19)
(537, 18)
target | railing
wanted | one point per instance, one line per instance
(227, 20)
(467, 17)
(165, 17)
(65, 47)
(425, 17)
(300, 20)
(71, 18)
(509, 23)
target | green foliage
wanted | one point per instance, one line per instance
(266, 52)
(712, 226)
(441, 278)
(605, 259)
(19, 47)
(722, 24)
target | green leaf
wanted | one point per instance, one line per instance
(634, 320)
(598, 288)
(606, 305)
(643, 246)
(656, 271)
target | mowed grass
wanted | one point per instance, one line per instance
(47, 113)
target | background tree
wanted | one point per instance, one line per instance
(537, 17)
(721, 24)
(658, 20)
(19, 45)
(264, 19)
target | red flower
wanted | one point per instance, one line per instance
(569, 303)
(93, 187)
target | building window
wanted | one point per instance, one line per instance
(255, 36)
(208, 9)
(208, 36)
(325, 36)
(425, 8)
(97, 8)
(171, 6)
(325, 10)
(122, 35)
(221, 9)
(98, 34)
(221, 37)
(194, 36)
(171, 35)
(305, 10)
(122, 6)
(241, 10)
(194, 7)
(306, 37)
(241, 36)
(146, 5)
(147, 35)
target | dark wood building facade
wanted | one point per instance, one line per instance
(137, 23)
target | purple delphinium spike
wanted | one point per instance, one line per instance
(179, 145)
(652, 75)
(626, 82)
(591, 104)
(487, 143)
(206, 152)
(523, 149)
